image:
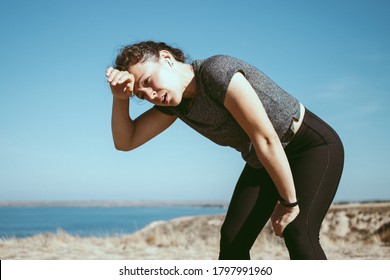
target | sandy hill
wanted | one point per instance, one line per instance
(350, 231)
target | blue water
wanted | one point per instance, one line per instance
(88, 221)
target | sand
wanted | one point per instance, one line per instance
(350, 231)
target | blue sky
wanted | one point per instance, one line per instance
(55, 105)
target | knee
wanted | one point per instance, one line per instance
(296, 233)
(296, 237)
(301, 244)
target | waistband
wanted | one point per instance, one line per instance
(297, 123)
(294, 126)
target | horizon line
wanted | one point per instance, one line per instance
(142, 203)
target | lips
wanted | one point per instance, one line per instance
(164, 99)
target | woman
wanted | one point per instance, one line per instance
(293, 159)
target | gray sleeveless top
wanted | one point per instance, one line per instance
(207, 114)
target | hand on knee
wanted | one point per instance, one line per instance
(282, 216)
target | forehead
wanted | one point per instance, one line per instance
(142, 68)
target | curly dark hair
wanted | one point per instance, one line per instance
(142, 51)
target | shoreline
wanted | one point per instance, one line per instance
(349, 231)
(140, 203)
(108, 203)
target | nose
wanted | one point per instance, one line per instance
(150, 93)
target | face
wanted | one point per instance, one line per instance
(157, 82)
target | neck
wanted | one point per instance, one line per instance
(188, 80)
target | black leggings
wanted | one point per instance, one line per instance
(316, 158)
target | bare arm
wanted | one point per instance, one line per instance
(245, 106)
(129, 134)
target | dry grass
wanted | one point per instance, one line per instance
(348, 232)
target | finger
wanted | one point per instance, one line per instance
(130, 87)
(281, 230)
(116, 78)
(126, 77)
(278, 230)
(275, 226)
(108, 71)
(122, 77)
(112, 75)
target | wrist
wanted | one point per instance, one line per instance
(120, 106)
(288, 204)
(121, 99)
(120, 102)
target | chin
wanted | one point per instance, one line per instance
(174, 102)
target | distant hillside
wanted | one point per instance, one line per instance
(350, 231)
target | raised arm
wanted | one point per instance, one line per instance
(129, 134)
(245, 106)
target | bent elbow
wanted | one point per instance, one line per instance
(266, 145)
(122, 148)
(266, 141)
(272, 140)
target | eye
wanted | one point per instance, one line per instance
(146, 81)
(139, 95)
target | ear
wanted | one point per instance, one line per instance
(165, 55)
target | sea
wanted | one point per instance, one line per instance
(25, 221)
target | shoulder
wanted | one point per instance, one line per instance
(220, 63)
(216, 71)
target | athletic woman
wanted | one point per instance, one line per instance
(294, 160)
